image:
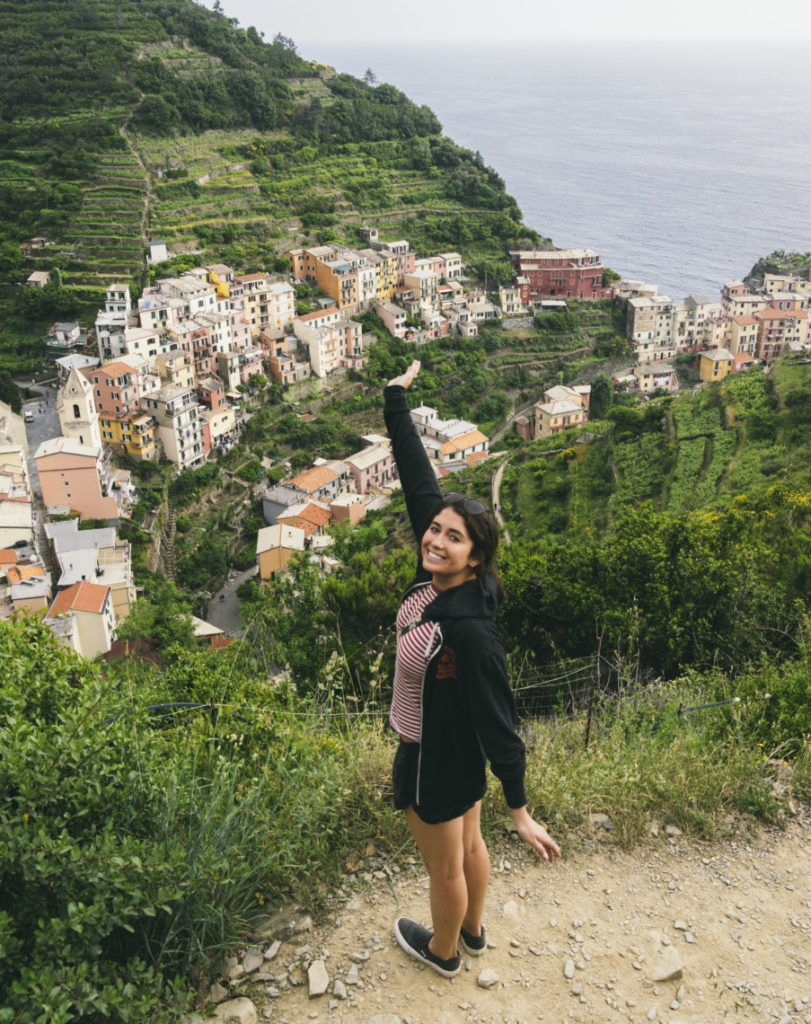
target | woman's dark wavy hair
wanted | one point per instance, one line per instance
(483, 531)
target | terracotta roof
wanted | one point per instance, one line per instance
(315, 514)
(138, 649)
(299, 523)
(476, 457)
(319, 313)
(220, 641)
(309, 519)
(81, 597)
(311, 479)
(17, 573)
(8, 556)
(743, 320)
(115, 369)
(458, 444)
(779, 314)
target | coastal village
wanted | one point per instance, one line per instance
(170, 373)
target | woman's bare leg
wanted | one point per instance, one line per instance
(476, 868)
(442, 852)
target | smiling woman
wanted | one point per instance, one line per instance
(452, 705)
(447, 550)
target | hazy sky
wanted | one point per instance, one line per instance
(314, 22)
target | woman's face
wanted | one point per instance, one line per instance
(446, 550)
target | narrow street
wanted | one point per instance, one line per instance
(223, 609)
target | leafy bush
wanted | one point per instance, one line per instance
(131, 849)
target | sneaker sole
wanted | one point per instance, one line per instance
(471, 950)
(406, 948)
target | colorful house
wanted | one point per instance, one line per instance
(82, 617)
(715, 364)
(275, 546)
(570, 273)
(372, 467)
(71, 475)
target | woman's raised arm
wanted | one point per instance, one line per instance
(415, 470)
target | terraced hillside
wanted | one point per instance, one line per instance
(123, 121)
(746, 436)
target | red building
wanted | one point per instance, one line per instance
(211, 392)
(559, 273)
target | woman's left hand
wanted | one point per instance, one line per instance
(535, 835)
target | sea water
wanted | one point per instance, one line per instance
(680, 165)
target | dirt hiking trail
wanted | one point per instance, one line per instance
(583, 940)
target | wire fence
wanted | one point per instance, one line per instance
(566, 693)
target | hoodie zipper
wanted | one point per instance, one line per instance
(437, 630)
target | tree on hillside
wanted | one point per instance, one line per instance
(602, 394)
(285, 42)
(9, 392)
(163, 618)
(369, 77)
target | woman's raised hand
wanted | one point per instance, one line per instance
(406, 378)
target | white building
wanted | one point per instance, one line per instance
(78, 418)
(180, 428)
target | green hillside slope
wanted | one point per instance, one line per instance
(689, 452)
(123, 121)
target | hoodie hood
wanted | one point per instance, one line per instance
(475, 599)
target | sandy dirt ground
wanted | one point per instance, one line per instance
(583, 940)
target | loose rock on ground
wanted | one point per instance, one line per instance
(677, 932)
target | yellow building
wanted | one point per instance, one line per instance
(136, 434)
(715, 364)
(275, 546)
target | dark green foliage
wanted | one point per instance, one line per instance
(323, 627)
(191, 482)
(89, 887)
(9, 392)
(695, 589)
(162, 617)
(602, 394)
(557, 323)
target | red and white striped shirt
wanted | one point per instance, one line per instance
(415, 644)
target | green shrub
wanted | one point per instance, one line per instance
(125, 856)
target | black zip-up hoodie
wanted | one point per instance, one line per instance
(468, 711)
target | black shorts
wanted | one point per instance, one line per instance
(404, 782)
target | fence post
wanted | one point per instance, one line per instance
(595, 680)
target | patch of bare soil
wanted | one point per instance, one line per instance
(583, 940)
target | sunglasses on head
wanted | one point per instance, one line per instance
(474, 507)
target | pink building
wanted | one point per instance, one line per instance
(195, 337)
(251, 361)
(394, 318)
(206, 437)
(778, 329)
(372, 467)
(116, 389)
(70, 475)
